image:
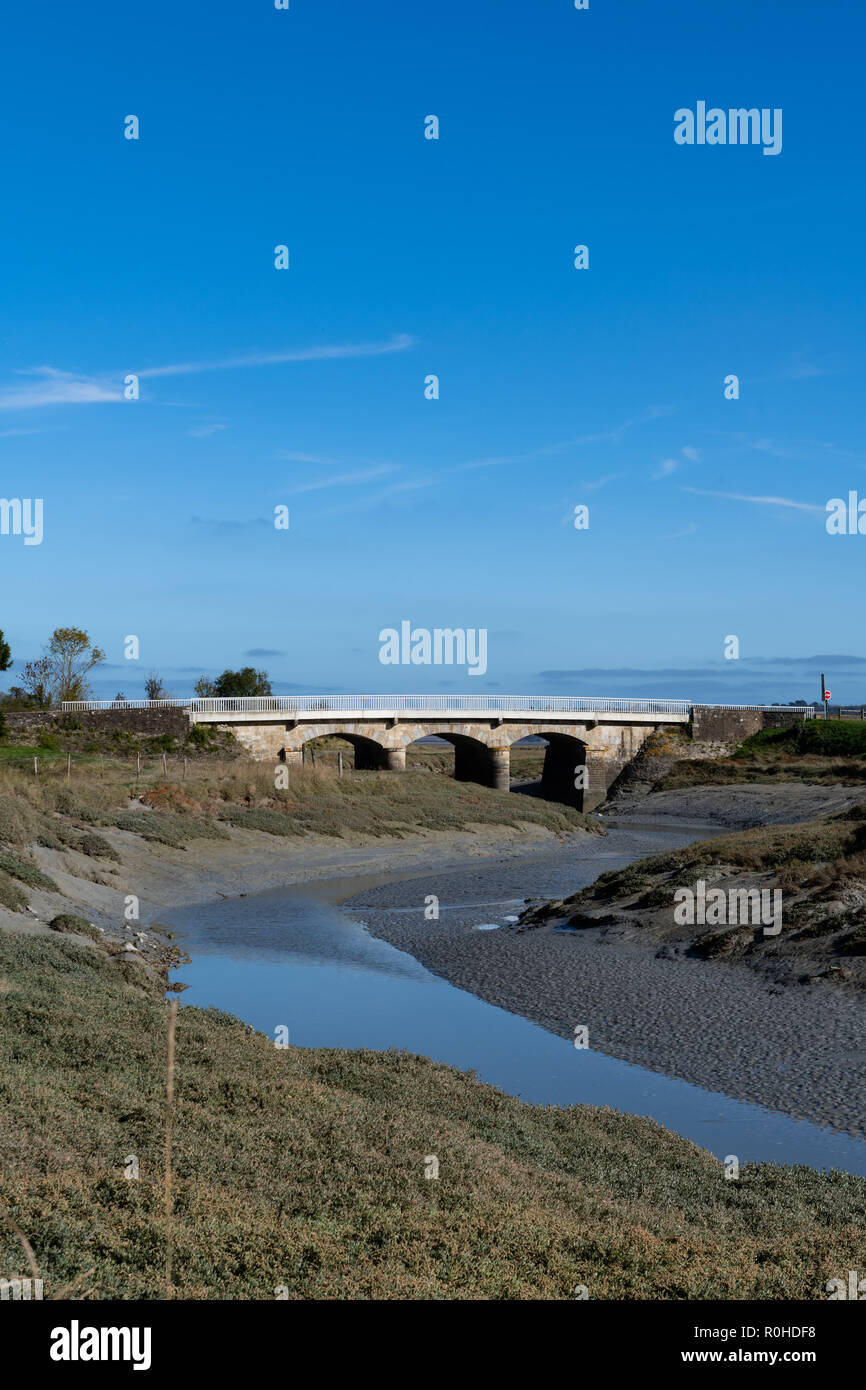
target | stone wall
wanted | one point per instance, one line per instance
(171, 720)
(733, 725)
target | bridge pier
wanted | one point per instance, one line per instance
(474, 762)
(500, 769)
(395, 759)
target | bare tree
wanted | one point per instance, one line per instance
(154, 688)
(38, 678)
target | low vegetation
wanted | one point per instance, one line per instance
(207, 799)
(829, 751)
(819, 867)
(304, 1170)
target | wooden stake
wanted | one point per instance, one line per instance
(169, 1117)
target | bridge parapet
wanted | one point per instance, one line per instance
(398, 706)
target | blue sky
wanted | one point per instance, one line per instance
(408, 257)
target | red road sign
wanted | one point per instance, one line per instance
(826, 694)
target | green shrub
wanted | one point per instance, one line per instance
(96, 848)
(49, 841)
(19, 823)
(271, 822)
(821, 737)
(27, 873)
(832, 736)
(11, 895)
(166, 829)
(68, 922)
(48, 741)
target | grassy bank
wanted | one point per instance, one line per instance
(306, 1169)
(829, 751)
(819, 866)
(207, 798)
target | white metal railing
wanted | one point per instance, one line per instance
(421, 704)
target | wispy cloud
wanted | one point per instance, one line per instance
(595, 483)
(801, 371)
(294, 456)
(399, 343)
(205, 431)
(666, 467)
(230, 524)
(548, 450)
(678, 535)
(365, 475)
(55, 387)
(581, 441)
(802, 449)
(395, 492)
(761, 501)
(670, 465)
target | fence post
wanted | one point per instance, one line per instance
(164, 765)
(68, 765)
(35, 767)
(340, 763)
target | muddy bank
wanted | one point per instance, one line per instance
(160, 876)
(733, 807)
(718, 1026)
(723, 1026)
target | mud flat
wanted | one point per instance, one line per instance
(734, 807)
(720, 1026)
(714, 1024)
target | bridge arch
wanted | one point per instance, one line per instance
(564, 776)
(371, 753)
(475, 760)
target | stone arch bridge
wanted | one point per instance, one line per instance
(589, 740)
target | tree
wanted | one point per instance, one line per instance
(205, 688)
(244, 682)
(38, 677)
(154, 688)
(5, 653)
(72, 657)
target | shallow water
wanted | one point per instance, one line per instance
(288, 958)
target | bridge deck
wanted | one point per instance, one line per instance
(506, 708)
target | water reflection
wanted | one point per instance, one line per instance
(285, 958)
